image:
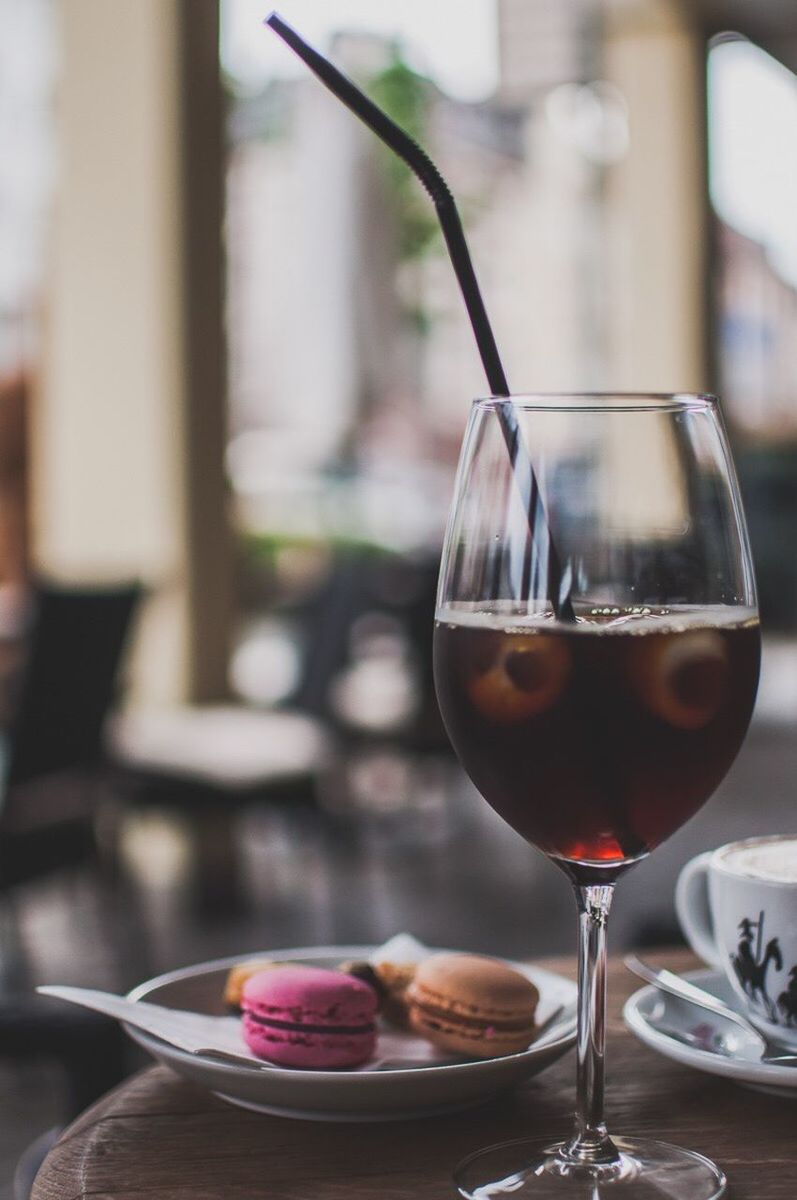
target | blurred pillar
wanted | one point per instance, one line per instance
(14, 551)
(656, 199)
(200, 147)
(127, 428)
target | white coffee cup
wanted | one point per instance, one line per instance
(738, 909)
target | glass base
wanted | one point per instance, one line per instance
(643, 1170)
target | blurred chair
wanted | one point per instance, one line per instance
(52, 758)
(361, 585)
(209, 761)
(52, 748)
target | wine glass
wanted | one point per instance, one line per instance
(596, 662)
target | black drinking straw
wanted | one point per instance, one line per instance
(431, 179)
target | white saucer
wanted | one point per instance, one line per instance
(717, 1046)
(381, 1095)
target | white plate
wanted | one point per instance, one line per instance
(660, 1020)
(384, 1095)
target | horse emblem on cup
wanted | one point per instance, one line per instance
(737, 906)
(751, 969)
(787, 1000)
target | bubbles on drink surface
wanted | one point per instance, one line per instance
(596, 740)
(678, 667)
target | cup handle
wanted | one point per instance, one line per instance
(694, 913)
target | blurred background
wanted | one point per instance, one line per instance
(234, 375)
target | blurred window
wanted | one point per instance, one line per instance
(352, 363)
(753, 185)
(753, 188)
(27, 52)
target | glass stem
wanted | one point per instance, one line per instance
(590, 1142)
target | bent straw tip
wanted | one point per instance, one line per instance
(273, 19)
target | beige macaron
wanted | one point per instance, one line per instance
(473, 1005)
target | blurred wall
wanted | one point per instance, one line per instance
(114, 490)
(656, 198)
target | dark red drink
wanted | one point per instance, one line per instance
(597, 741)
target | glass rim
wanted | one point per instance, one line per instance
(602, 401)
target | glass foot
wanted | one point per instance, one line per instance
(643, 1171)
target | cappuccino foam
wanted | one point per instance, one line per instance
(774, 861)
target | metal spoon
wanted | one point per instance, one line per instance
(675, 985)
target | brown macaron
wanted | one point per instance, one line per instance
(396, 978)
(360, 969)
(473, 1005)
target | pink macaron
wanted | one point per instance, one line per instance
(309, 1017)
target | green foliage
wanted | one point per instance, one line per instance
(263, 548)
(404, 96)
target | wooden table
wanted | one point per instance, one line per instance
(156, 1136)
